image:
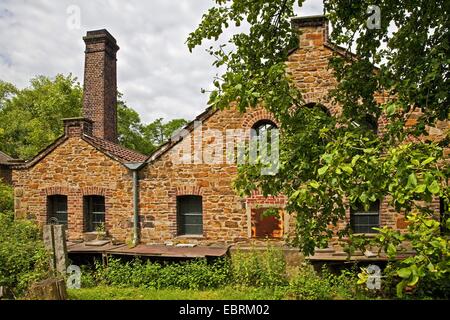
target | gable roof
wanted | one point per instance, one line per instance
(115, 151)
(110, 149)
(4, 158)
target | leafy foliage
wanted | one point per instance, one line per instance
(30, 119)
(311, 285)
(197, 274)
(6, 198)
(256, 274)
(331, 162)
(23, 258)
(158, 132)
(261, 269)
(427, 273)
(130, 129)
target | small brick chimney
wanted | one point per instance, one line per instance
(313, 29)
(100, 83)
(76, 127)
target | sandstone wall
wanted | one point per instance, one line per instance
(76, 169)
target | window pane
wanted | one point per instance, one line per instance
(363, 221)
(193, 229)
(189, 215)
(94, 212)
(57, 209)
(193, 219)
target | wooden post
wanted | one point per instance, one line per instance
(55, 243)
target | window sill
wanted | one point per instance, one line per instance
(368, 235)
(190, 236)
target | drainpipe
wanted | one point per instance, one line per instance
(135, 167)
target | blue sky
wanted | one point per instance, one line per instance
(156, 73)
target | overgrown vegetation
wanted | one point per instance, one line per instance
(6, 198)
(256, 274)
(23, 258)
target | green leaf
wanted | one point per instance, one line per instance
(390, 110)
(355, 159)
(322, 170)
(412, 181)
(314, 184)
(400, 286)
(420, 188)
(414, 280)
(434, 187)
(347, 169)
(404, 273)
(391, 250)
(427, 161)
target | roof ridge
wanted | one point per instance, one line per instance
(117, 151)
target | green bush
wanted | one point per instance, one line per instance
(310, 285)
(260, 268)
(6, 198)
(256, 272)
(23, 258)
(196, 274)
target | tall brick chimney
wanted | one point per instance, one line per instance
(313, 29)
(100, 83)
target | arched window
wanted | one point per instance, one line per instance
(319, 107)
(368, 123)
(262, 126)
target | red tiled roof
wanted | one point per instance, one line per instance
(116, 151)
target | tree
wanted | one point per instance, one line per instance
(158, 132)
(131, 130)
(328, 163)
(30, 119)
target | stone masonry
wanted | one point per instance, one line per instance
(86, 160)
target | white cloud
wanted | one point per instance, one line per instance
(156, 73)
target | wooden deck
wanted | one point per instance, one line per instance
(148, 250)
(324, 255)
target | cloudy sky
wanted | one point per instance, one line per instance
(156, 73)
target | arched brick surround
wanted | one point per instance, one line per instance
(58, 190)
(94, 191)
(188, 190)
(253, 116)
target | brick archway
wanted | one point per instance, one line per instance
(255, 115)
(58, 190)
(188, 190)
(94, 191)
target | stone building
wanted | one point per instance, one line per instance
(89, 182)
